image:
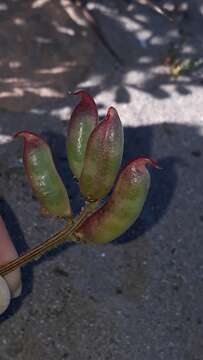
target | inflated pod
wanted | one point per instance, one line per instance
(123, 206)
(8, 253)
(43, 176)
(103, 157)
(83, 120)
(5, 296)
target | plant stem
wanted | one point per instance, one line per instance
(53, 241)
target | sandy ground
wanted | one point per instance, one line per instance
(139, 297)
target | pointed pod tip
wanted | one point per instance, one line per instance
(83, 93)
(25, 134)
(86, 99)
(18, 134)
(112, 111)
(111, 114)
(143, 160)
(76, 92)
(28, 136)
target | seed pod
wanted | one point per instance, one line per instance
(83, 120)
(8, 253)
(43, 176)
(122, 208)
(103, 157)
(5, 296)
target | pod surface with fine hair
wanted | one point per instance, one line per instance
(103, 157)
(43, 176)
(83, 120)
(123, 206)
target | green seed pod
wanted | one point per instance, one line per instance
(83, 120)
(43, 176)
(122, 208)
(103, 157)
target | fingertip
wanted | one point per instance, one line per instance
(17, 292)
(8, 253)
(5, 295)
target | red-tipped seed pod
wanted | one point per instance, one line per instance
(122, 208)
(43, 176)
(103, 157)
(83, 120)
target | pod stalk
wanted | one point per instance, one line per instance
(50, 243)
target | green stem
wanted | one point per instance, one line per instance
(53, 241)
